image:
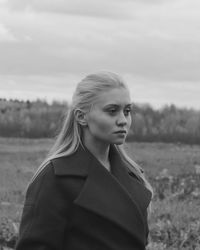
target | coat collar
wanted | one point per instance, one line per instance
(114, 195)
(75, 164)
(78, 163)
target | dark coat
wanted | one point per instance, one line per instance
(76, 204)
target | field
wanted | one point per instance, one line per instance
(173, 170)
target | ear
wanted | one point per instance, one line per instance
(80, 117)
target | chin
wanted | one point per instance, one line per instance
(119, 142)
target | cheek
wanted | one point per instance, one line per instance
(100, 124)
(104, 127)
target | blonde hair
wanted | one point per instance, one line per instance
(84, 96)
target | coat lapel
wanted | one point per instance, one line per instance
(115, 196)
(139, 194)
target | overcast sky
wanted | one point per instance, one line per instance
(47, 46)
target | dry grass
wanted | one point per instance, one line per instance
(21, 157)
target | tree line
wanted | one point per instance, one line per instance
(39, 119)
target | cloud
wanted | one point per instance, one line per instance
(156, 41)
(37, 86)
(6, 35)
(94, 8)
(158, 94)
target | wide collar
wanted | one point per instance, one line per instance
(114, 195)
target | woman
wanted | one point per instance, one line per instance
(88, 194)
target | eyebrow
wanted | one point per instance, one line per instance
(118, 105)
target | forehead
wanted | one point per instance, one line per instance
(117, 96)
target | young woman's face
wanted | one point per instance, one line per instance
(109, 119)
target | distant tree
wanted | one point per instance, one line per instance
(38, 118)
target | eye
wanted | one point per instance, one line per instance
(112, 111)
(127, 111)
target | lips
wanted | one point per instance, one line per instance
(120, 132)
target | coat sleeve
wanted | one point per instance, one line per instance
(45, 214)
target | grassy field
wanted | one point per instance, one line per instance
(171, 168)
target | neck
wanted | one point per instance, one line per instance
(99, 150)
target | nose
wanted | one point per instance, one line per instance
(121, 120)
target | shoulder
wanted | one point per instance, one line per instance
(54, 181)
(75, 164)
(43, 179)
